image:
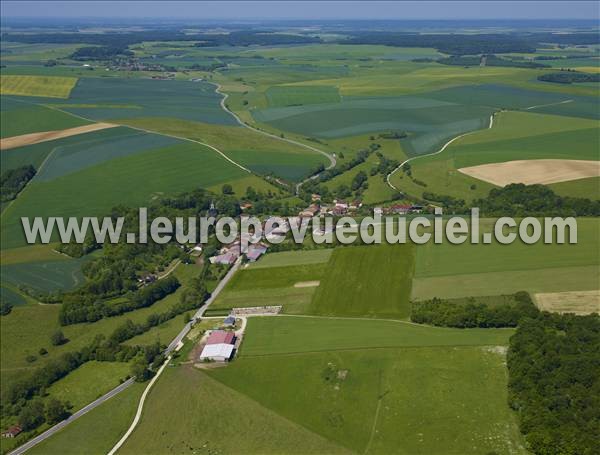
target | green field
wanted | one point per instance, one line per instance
(132, 180)
(260, 153)
(408, 401)
(45, 276)
(288, 258)
(120, 98)
(297, 334)
(296, 95)
(273, 285)
(504, 269)
(21, 117)
(353, 398)
(182, 410)
(53, 87)
(372, 281)
(75, 387)
(96, 432)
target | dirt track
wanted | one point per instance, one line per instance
(34, 138)
(533, 171)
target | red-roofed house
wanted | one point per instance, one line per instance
(12, 432)
(221, 337)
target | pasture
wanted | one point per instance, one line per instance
(97, 431)
(275, 335)
(185, 400)
(289, 258)
(369, 281)
(41, 86)
(409, 401)
(75, 387)
(272, 285)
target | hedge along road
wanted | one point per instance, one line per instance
(184, 331)
(391, 185)
(332, 160)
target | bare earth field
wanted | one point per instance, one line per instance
(533, 171)
(577, 302)
(34, 138)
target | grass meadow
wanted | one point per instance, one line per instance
(368, 281)
(97, 431)
(410, 401)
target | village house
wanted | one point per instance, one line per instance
(400, 209)
(377, 211)
(12, 432)
(310, 211)
(255, 251)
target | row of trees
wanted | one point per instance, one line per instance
(474, 312)
(569, 77)
(111, 349)
(554, 383)
(13, 181)
(86, 307)
(489, 60)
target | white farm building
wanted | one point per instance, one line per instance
(220, 352)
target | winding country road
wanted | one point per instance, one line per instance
(391, 185)
(332, 160)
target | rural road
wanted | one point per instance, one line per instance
(46, 434)
(390, 184)
(332, 160)
(184, 331)
(180, 336)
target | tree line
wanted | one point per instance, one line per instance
(86, 307)
(13, 181)
(474, 312)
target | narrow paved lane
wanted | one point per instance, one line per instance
(180, 336)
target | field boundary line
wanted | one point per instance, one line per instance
(140, 408)
(42, 165)
(388, 178)
(332, 160)
(146, 131)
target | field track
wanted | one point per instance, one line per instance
(391, 185)
(332, 160)
(159, 133)
(35, 138)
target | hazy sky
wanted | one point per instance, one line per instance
(307, 10)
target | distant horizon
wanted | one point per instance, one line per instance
(444, 10)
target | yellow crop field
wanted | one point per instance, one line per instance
(50, 86)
